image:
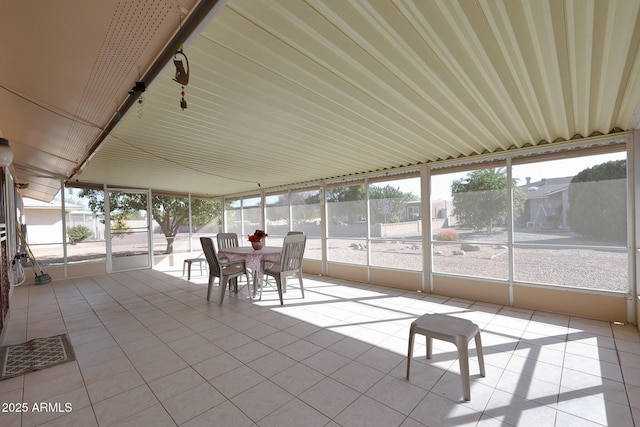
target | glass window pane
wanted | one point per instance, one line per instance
(251, 217)
(313, 248)
(276, 241)
(573, 224)
(46, 254)
(84, 237)
(206, 220)
(589, 268)
(129, 224)
(170, 224)
(470, 209)
(478, 260)
(346, 217)
(233, 217)
(85, 228)
(404, 254)
(396, 225)
(346, 211)
(305, 208)
(306, 217)
(86, 251)
(277, 212)
(43, 221)
(351, 251)
(584, 195)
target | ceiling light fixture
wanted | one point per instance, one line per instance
(6, 155)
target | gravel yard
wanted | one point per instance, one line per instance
(578, 267)
(584, 268)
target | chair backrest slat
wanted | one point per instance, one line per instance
(292, 252)
(227, 240)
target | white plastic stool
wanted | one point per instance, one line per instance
(452, 329)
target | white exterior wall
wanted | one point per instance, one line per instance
(43, 226)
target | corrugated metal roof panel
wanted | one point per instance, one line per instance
(290, 92)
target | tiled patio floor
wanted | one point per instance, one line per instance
(151, 351)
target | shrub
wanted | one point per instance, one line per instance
(78, 233)
(598, 201)
(447, 235)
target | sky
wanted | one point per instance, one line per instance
(441, 184)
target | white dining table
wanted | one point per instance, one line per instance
(253, 259)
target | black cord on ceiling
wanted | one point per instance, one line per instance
(65, 115)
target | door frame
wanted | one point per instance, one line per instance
(139, 262)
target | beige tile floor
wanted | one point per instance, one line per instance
(151, 351)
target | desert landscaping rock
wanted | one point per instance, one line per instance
(604, 269)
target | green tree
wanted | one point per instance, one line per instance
(347, 202)
(169, 212)
(346, 194)
(480, 198)
(306, 207)
(389, 204)
(598, 201)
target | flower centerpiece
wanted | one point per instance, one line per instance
(257, 239)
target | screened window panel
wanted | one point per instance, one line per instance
(470, 222)
(306, 213)
(346, 211)
(277, 212)
(349, 251)
(572, 230)
(396, 224)
(233, 217)
(170, 224)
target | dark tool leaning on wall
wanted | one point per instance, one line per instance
(42, 278)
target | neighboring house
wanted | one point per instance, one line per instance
(413, 210)
(440, 209)
(547, 203)
(44, 222)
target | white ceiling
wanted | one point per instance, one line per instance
(293, 91)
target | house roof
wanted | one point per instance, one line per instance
(300, 91)
(29, 203)
(546, 187)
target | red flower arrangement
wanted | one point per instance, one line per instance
(257, 236)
